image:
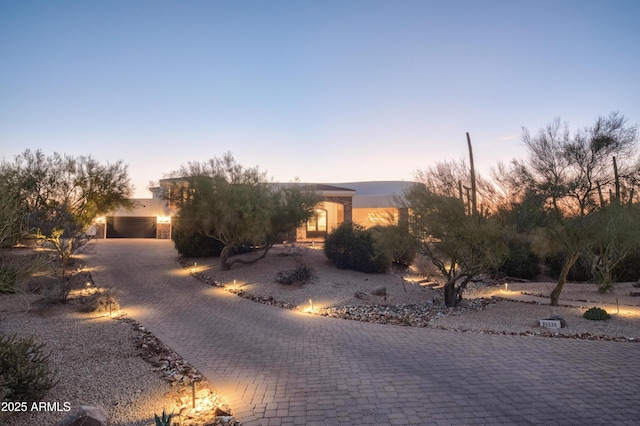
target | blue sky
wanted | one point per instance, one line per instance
(325, 91)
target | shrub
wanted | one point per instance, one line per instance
(351, 246)
(58, 291)
(195, 244)
(628, 269)
(25, 369)
(580, 271)
(8, 279)
(395, 240)
(596, 314)
(521, 261)
(301, 273)
(103, 300)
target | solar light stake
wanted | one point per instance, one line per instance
(193, 393)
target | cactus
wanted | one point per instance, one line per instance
(596, 314)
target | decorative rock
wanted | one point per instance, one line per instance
(379, 291)
(86, 415)
(360, 295)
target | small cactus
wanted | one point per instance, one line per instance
(165, 420)
(596, 314)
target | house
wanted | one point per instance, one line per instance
(365, 203)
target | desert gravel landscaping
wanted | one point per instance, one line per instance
(101, 360)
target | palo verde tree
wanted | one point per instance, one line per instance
(237, 205)
(59, 195)
(577, 175)
(461, 243)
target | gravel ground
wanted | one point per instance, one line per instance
(99, 360)
(483, 310)
(96, 358)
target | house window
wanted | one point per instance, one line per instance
(317, 224)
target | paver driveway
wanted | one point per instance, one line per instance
(276, 366)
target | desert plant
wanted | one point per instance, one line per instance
(8, 279)
(521, 261)
(195, 244)
(580, 271)
(302, 272)
(397, 242)
(102, 300)
(58, 291)
(629, 268)
(165, 420)
(26, 372)
(596, 314)
(351, 246)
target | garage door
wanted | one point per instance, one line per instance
(131, 227)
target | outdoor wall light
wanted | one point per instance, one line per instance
(101, 219)
(164, 219)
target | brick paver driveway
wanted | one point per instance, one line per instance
(280, 367)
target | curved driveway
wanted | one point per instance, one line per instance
(277, 366)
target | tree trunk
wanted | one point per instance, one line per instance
(450, 294)
(616, 180)
(224, 257)
(555, 294)
(453, 294)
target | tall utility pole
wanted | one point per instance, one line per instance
(474, 206)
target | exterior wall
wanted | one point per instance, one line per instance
(369, 217)
(163, 231)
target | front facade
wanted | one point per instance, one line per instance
(365, 203)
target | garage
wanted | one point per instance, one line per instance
(131, 227)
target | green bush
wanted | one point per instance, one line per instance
(580, 271)
(300, 274)
(521, 261)
(25, 369)
(195, 244)
(8, 279)
(596, 314)
(351, 246)
(628, 269)
(395, 240)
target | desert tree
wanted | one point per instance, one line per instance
(59, 195)
(573, 174)
(237, 205)
(460, 244)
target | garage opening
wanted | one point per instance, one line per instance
(131, 227)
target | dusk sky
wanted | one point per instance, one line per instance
(326, 91)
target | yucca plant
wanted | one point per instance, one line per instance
(165, 420)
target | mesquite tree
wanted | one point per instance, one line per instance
(237, 205)
(571, 173)
(461, 243)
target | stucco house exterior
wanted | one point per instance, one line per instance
(366, 203)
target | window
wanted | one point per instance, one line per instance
(317, 224)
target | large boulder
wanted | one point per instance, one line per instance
(86, 415)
